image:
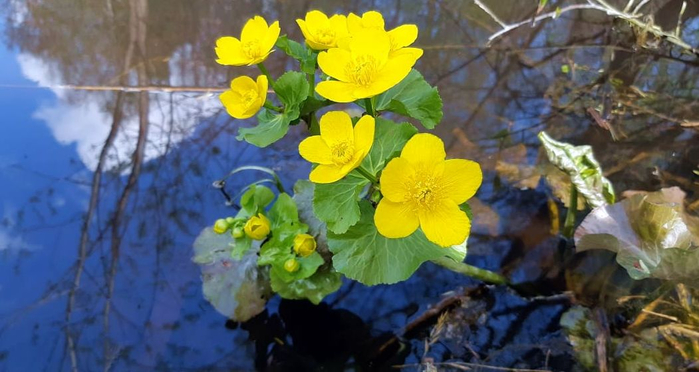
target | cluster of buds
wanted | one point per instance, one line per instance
(256, 227)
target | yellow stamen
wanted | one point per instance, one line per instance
(363, 70)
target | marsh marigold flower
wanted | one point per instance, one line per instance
(339, 148)
(304, 245)
(322, 32)
(257, 227)
(253, 47)
(400, 37)
(246, 96)
(421, 188)
(363, 68)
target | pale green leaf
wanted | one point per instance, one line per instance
(307, 267)
(270, 128)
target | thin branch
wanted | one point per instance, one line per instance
(490, 13)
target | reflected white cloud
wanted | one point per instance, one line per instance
(13, 243)
(172, 116)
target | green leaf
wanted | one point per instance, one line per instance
(292, 89)
(314, 288)
(241, 246)
(285, 225)
(366, 256)
(415, 98)
(256, 198)
(237, 289)
(389, 139)
(582, 168)
(284, 209)
(307, 267)
(337, 203)
(270, 128)
(298, 52)
(651, 234)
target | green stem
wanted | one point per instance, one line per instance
(472, 271)
(273, 107)
(264, 71)
(569, 224)
(367, 175)
(222, 182)
(369, 103)
(314, 128)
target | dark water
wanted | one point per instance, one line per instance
(63, 63)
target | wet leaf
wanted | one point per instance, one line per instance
(238, 289)
(414, 98)
(650, 233)
(583, 169)
(365, 255)
(314, 288)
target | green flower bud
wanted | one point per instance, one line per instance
(238, 232)
(292, 265)
(220, 226)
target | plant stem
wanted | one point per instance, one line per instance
(569, 224)
(367, 175)
(264, 71)
(273, 107)
(472, 271)
(368, 102)
(314, 127)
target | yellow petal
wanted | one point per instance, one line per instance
(336, 91)
(395, 220)
(393, 72)
(262, 86)
(371, 42)
(229, 52)
(402, 36)
(316, 19)
(315, 150)
(338, 23)
(255, 29)
(444, 223)
(304, 28)
(424, 150)
(243, 84)
(373, 19)
(364, 135)
(231, 101)
(326, 174)
(415, 53)
(334, 63)
(336, 127)
(270, 38)
(395, 179)
(461, 179)
(354, 23)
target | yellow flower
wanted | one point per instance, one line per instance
(304, 245)
(400, 37)
(257, 227)
(246, 96)
(253, 47)
(421, 188)
(220, 226)
(363, 67)
(339, 148)
(292, 265)
(322, 33)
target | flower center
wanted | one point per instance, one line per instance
(363, 70)
(342, 153)
(424, 191)
(326, 36)
(252, 49)
(249, 98)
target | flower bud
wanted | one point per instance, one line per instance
(257, 227)
(220, 226)
(230, 220)
(304, 245)
(292, 265)
(238, 232)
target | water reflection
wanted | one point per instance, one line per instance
(104, 191)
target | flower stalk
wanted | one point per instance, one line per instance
(368, 176)
(272, 107)
(265, 72)
(484, 275)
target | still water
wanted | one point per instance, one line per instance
(92, 167)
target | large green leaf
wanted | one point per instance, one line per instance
(389, 139)
(299, 52)
(314, 288)
(582, 168)
(650, 233)
(238, 289)
(307, 267)
(292, 90)
(337, 203)
(366, 256)
(415, 98)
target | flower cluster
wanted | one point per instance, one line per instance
(382, 198)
